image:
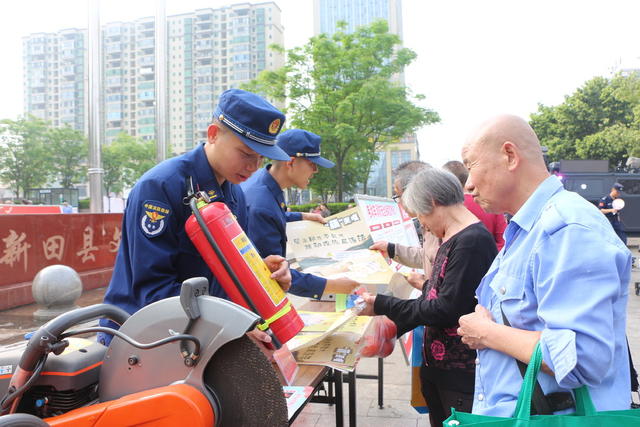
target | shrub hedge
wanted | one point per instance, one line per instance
(333, 207)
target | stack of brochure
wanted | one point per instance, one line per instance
(330, 339)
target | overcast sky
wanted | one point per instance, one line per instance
(475, 58)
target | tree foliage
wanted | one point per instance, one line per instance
(124, 161)
(33, 154)
(616, 143)
(346, 89)
(68, 149)
(600, 120)
(24, 156)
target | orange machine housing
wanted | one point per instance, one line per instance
(265, 293)
(169, 406)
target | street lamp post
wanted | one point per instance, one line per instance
(95, 84)
(161, 80)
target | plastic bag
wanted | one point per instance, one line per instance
(382, 339)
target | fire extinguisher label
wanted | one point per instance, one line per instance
(259, 268)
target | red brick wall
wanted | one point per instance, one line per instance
(88, 243)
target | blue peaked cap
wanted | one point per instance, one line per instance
(302, 143)
(254, 120)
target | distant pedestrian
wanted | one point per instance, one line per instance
(66, 208)
(324, 210)
(495, 223)
(411, 256)
(606, 206)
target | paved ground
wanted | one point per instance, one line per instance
(16, 322)
(396, 412)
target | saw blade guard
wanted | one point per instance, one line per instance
(232, 372)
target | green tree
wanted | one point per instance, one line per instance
(24, 157)
(588, 122)
(68, 150)
(114, 157)
(615, 143)
(345, 88)
(627, 88)
(125, 160)
(141, 158)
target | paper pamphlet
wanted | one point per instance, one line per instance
(337, 249)
(362, 265)
(400, 287)
(386, 220)
(330, 339)
(338, 351)
(343, 231)
(319, 325)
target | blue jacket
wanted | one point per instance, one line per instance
(155, 254)
(267, 228)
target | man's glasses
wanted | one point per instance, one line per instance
(396, 198)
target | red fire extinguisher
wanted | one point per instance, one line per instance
(239, 268)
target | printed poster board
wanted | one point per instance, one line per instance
(338, 248)
(386, 220)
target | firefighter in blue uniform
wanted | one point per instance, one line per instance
(612, 214)
(155, 254)
(267, 212)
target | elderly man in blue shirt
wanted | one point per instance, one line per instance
(267, 213)
(561, 279)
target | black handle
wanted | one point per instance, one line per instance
(49, 333)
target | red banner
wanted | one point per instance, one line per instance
(30, 209)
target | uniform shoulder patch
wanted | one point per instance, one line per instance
(552, 219)
(154, 218)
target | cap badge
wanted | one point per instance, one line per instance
(274, 127)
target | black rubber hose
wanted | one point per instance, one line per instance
(49, 332)
(10, 397)
(131, 341)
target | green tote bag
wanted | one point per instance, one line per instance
(585, 415)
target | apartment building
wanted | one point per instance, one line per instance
(208, 51)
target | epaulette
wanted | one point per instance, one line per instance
(551, 220)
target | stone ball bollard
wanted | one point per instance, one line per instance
(55, 289)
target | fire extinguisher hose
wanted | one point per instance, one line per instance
(193, 203)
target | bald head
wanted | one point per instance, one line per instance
(493, 133)
(503, 157)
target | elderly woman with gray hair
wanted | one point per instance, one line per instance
(463, 258)
(411, 256)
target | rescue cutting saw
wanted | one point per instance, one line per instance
(180, 361)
